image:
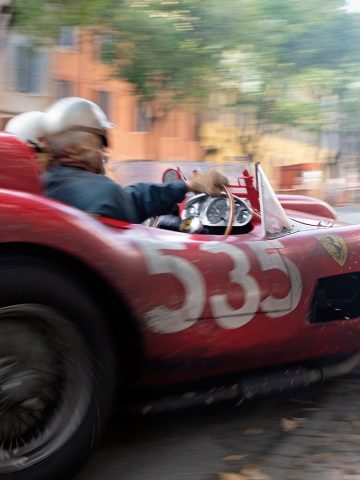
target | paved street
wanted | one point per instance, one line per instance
(313, 434)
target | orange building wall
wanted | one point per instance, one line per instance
(171, 138)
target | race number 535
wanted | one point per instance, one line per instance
(163, 319)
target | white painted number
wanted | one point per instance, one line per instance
(272, 306)
(167, 320)
(228, 317)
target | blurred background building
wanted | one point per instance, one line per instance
(296, 130)
(33, 77)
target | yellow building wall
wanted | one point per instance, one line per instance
(272, 151)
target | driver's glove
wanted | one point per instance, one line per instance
(210, 183)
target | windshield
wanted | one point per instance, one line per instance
(132, 172)
(274, 220)
(273, 217)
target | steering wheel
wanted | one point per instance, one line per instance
(231, 200)
(156, 220)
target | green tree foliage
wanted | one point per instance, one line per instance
(293, 61)
(298, 65)
(159, 46)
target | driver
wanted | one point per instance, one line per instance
(77, 138)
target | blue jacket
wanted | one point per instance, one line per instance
(100, 195)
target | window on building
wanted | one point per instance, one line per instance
(29, 69)
(143, 118)
(5, 17)
(106, 48)
(64, 88)
(103, 99)
(67, 37)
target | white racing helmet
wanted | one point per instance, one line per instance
(77, 114)
(30, 127)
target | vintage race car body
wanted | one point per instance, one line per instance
(204, 302)
(285, 290)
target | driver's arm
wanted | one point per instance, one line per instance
(153, 199)
(145, 200)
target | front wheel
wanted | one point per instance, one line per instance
(56, 371)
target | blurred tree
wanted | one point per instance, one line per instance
(293, 68)
(166, 48)
(286, 63)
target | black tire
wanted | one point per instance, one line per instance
(57, 371)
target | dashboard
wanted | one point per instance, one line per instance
(214, 212)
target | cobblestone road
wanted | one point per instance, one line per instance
(314, 434)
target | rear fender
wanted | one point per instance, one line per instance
(27, 219)
(311, 205)
(76, 242)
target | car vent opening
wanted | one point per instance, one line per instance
(336, 298)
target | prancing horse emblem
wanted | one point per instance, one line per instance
(335, 246)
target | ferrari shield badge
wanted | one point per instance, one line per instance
(335, 246)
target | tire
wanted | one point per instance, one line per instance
(57, 371)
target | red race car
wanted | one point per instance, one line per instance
(227, 285)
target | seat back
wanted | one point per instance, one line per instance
(19, 166)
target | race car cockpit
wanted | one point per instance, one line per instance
(248, 202)
(245, 203)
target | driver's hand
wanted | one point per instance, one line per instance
(211, 183)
